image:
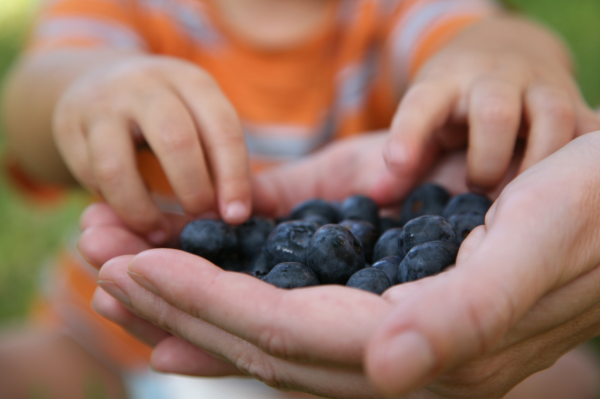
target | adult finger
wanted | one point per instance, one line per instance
(424, 109)
(280, 373)
(359, 170)
(100, 244)
(551, 114)
(108, 307)
(112, 156)
(291, 324)
(494, 119)
(224, 143)
(171, 133)
(467, 313)
(559, 308)
(177, 356)
(170, 354)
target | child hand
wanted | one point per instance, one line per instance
(180, 111)
(494, 91)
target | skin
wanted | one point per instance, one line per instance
(523, 293)
(485, 90)
(85, 124)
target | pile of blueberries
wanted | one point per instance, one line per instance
(344, 243)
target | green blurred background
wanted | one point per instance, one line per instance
(29, 235)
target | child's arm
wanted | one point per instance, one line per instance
(502, 78)
(82, 110)
(29, 100)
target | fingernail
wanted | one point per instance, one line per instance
(142, 282)
(236, 211)
(158, 237)
(113, 290)
(410, 356)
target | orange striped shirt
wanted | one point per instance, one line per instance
(337, 83)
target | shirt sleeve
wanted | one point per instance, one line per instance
(86, 24)
(419, 28)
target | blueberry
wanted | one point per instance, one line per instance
(365, 233)
(468, 202)
(388, 245)
(371, 279)
(427, 199)
(289, 242)
(426, 260)
(424, 229)
(291, 275)
(337, 205)
(464, 222)
(315, 207)
(232, 262)
(256, 274)
(258, 265)
(252, 236)
(389, 266)
(213, 240)
(335, 254)
(359, 207)
(316, 219)
(386, 223)
(282, 219)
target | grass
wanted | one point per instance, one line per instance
(577, 22)
(30, 235)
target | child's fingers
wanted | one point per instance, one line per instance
(112, 156)
(99, 214)
(224, 145)
(587, 120)
(171, 133)
(494, 120)
(551, 115)
(425, 108)
(70, 140)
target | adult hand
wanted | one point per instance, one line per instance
(523, 292)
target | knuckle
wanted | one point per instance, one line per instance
(482, 378)
(559, 108)
(419, 96)
(202, 80)
(229, 138)
(273, 341)
(498, 113)
(489, 312)
(109, 171)
(176, 138)
(140, 216)
(273, 338)
(163, 314)
(259, 367)
(103, 103)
